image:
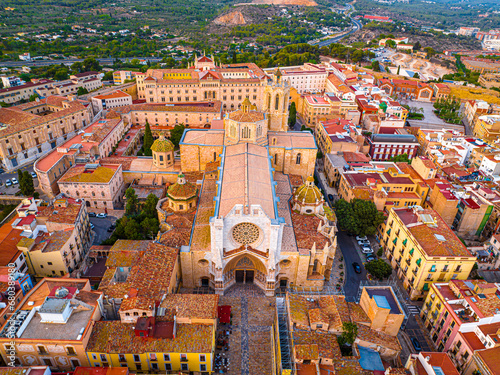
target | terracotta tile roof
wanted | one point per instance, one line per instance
(306, 231)
(357, 313)
(117, 337)
(491, 359)
(306, 352)
(243, 116)
(192, 306)
(182, 191)
(378, 338)
(61, 215)
(113, 95)
(326, 343)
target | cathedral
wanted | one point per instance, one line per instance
(259, 218)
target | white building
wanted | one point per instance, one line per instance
(25, 57)
(491, 45)
(115, 99)
(309, 78)
(12, 81)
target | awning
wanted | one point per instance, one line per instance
(224, 313)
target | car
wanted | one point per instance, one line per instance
(14, 181)
(359, 238)
(92, 214)
(102, 215)
(33, 174)
(357, 267)
(330, 197)
(416, 344)
(8, 182)
(370, 258)
(364, 243)
(367, 250)
(92, 226)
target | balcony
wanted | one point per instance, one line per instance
(428, 305)
(408, 261)
(184, 359)
(434, 315)
(415, 271)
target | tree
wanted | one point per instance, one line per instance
(33, 97)
(108, 76)
(292, 115)
(91, 64)
(403, 158)
(82, 91)
(235, 58)
(29, 187)
(149, 209)
(349, 334)
(416, 75)
(132, 202)
(176, 134)
(379, 269)
(132, 230)
(390, 43)
(359, 217)
(417, 46)
(61, 75)
(399, 69)
(150, 227)
(20, 179)
(148, 140)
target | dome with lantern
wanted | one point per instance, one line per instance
(308, 199)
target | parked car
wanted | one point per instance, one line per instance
(359, 238)
(33, 174)
(330, 197)
(416, 344)
(102, 215)
(8, 182)
(14, 181)
(370, 257)
(367, 250)
(92, 214)
(364, 243)
(357, 267)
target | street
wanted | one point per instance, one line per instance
(13, 189)
(101, 228)
(350, 253)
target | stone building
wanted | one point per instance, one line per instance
(163, 153)
(243, 228)
(308, 198)
(182, 195)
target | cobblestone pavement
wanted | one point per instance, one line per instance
(338, 272)
(252, 319)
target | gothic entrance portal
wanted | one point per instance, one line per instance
(245, 270)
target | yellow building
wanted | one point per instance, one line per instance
(423, 249)
(487, 126)
(182, 339)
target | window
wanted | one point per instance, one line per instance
(168, 367)
(184, 358)
(137, 358)
(138, 366)
(299, 157)
(203, 367)
(70, 350)
(203, 358)
(121, 358)
(104, 358)
(41, 349)
(154, 366)
(184, 367)
(166, 357)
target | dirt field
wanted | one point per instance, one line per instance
(425, 69)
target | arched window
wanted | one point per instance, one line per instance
(215, 156)
(315, 266)
(268, 101)
(299, 156)
(276, 158)
(277, 102)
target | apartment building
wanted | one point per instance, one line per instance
(441, 91)
(100, 185)
(30, 130)
(387, 188)
(485, 362)
(487, 126)
(461, 314)
(16, 94)
(336, 135)
(336, 86)
(111, 100)
(387, 146)
(473, 109)
(336, 164)
(52, 325)
(56, 238)
(490, 80)
(423, 249)
(120, 76)
(96, 142)
(431, 363)
(316, 108)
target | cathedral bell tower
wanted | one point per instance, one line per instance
(277, 98)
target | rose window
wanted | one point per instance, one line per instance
(246, 233)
